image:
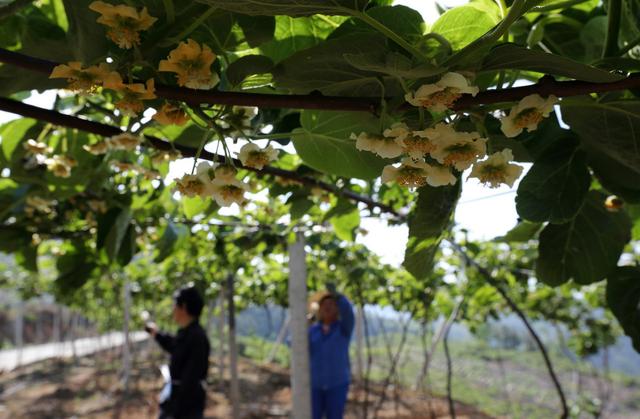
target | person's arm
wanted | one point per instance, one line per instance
(165, 340)
(347, 318)
(191, 374)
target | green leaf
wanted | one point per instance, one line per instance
(345, 218)
(257, 29)
(585, 249)
(477, 49)
(192, 206)
(112, 228)
(609, 134)
(324, 68)
(75, 267)
(295, 34)
(27, 257)
(513, 57)
(521, 233)
(173, 234)
(428, 223)
(289, 7)
(401, 20)
(87, 39)
(393, 64)
(299, 207)
(623, 298)
(556, 185)
(463, 25)
(323, 143)
(128, 247)
(12, 134)
(13, 239)
(247, 66)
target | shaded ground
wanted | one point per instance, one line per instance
(91, 388)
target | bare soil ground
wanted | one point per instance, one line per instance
(91, 387)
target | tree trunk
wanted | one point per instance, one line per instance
(233, 351)
(126, 349)
(211, 308)
(18, 329)
(452, 408)
(359, 343)
(300, 380)
(221, 339)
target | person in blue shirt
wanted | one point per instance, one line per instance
(329, 341)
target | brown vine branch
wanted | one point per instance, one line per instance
(512, 304)
(545, 87)
(56, 118)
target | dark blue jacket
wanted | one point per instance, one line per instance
(329, 354)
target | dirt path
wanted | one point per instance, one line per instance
(90, 388)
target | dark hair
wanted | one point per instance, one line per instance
(190, 299)
(328, 297)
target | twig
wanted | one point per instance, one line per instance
(30, 111)
(545, 87)
(492, 281)
(445, 341)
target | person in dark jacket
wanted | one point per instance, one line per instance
(329, 355)
(189, 349)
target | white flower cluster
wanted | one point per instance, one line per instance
(36, 204)
(217, 182)
(125, 141)
(253, 156)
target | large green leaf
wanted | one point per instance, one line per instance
(112, 228)
(257, 29)
(247, 66)
(87, 40)
(556, 185)
(623, 298)
(403, 21)
(324, 68)
(462, 25)
(40, 38)
(473, 53)
(295, 34)
(428, 223)
(393, 64)
(585, 249)
(610, 133)
(289, 7)
(75, 267)
(345, 218)
(521, 233)
(514, 57)
(11, 136)
(323, 143)
(173, 234)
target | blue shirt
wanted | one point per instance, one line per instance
(329, 353)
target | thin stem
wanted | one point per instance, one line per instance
(543, 350)
(441, 39)
(203, 142)
(59, 119)
(187, 31)
(445, 341)
(169, 10)
(344, 103)
(614, 13)
(389, 34)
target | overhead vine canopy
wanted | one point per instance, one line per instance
(335, 108)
